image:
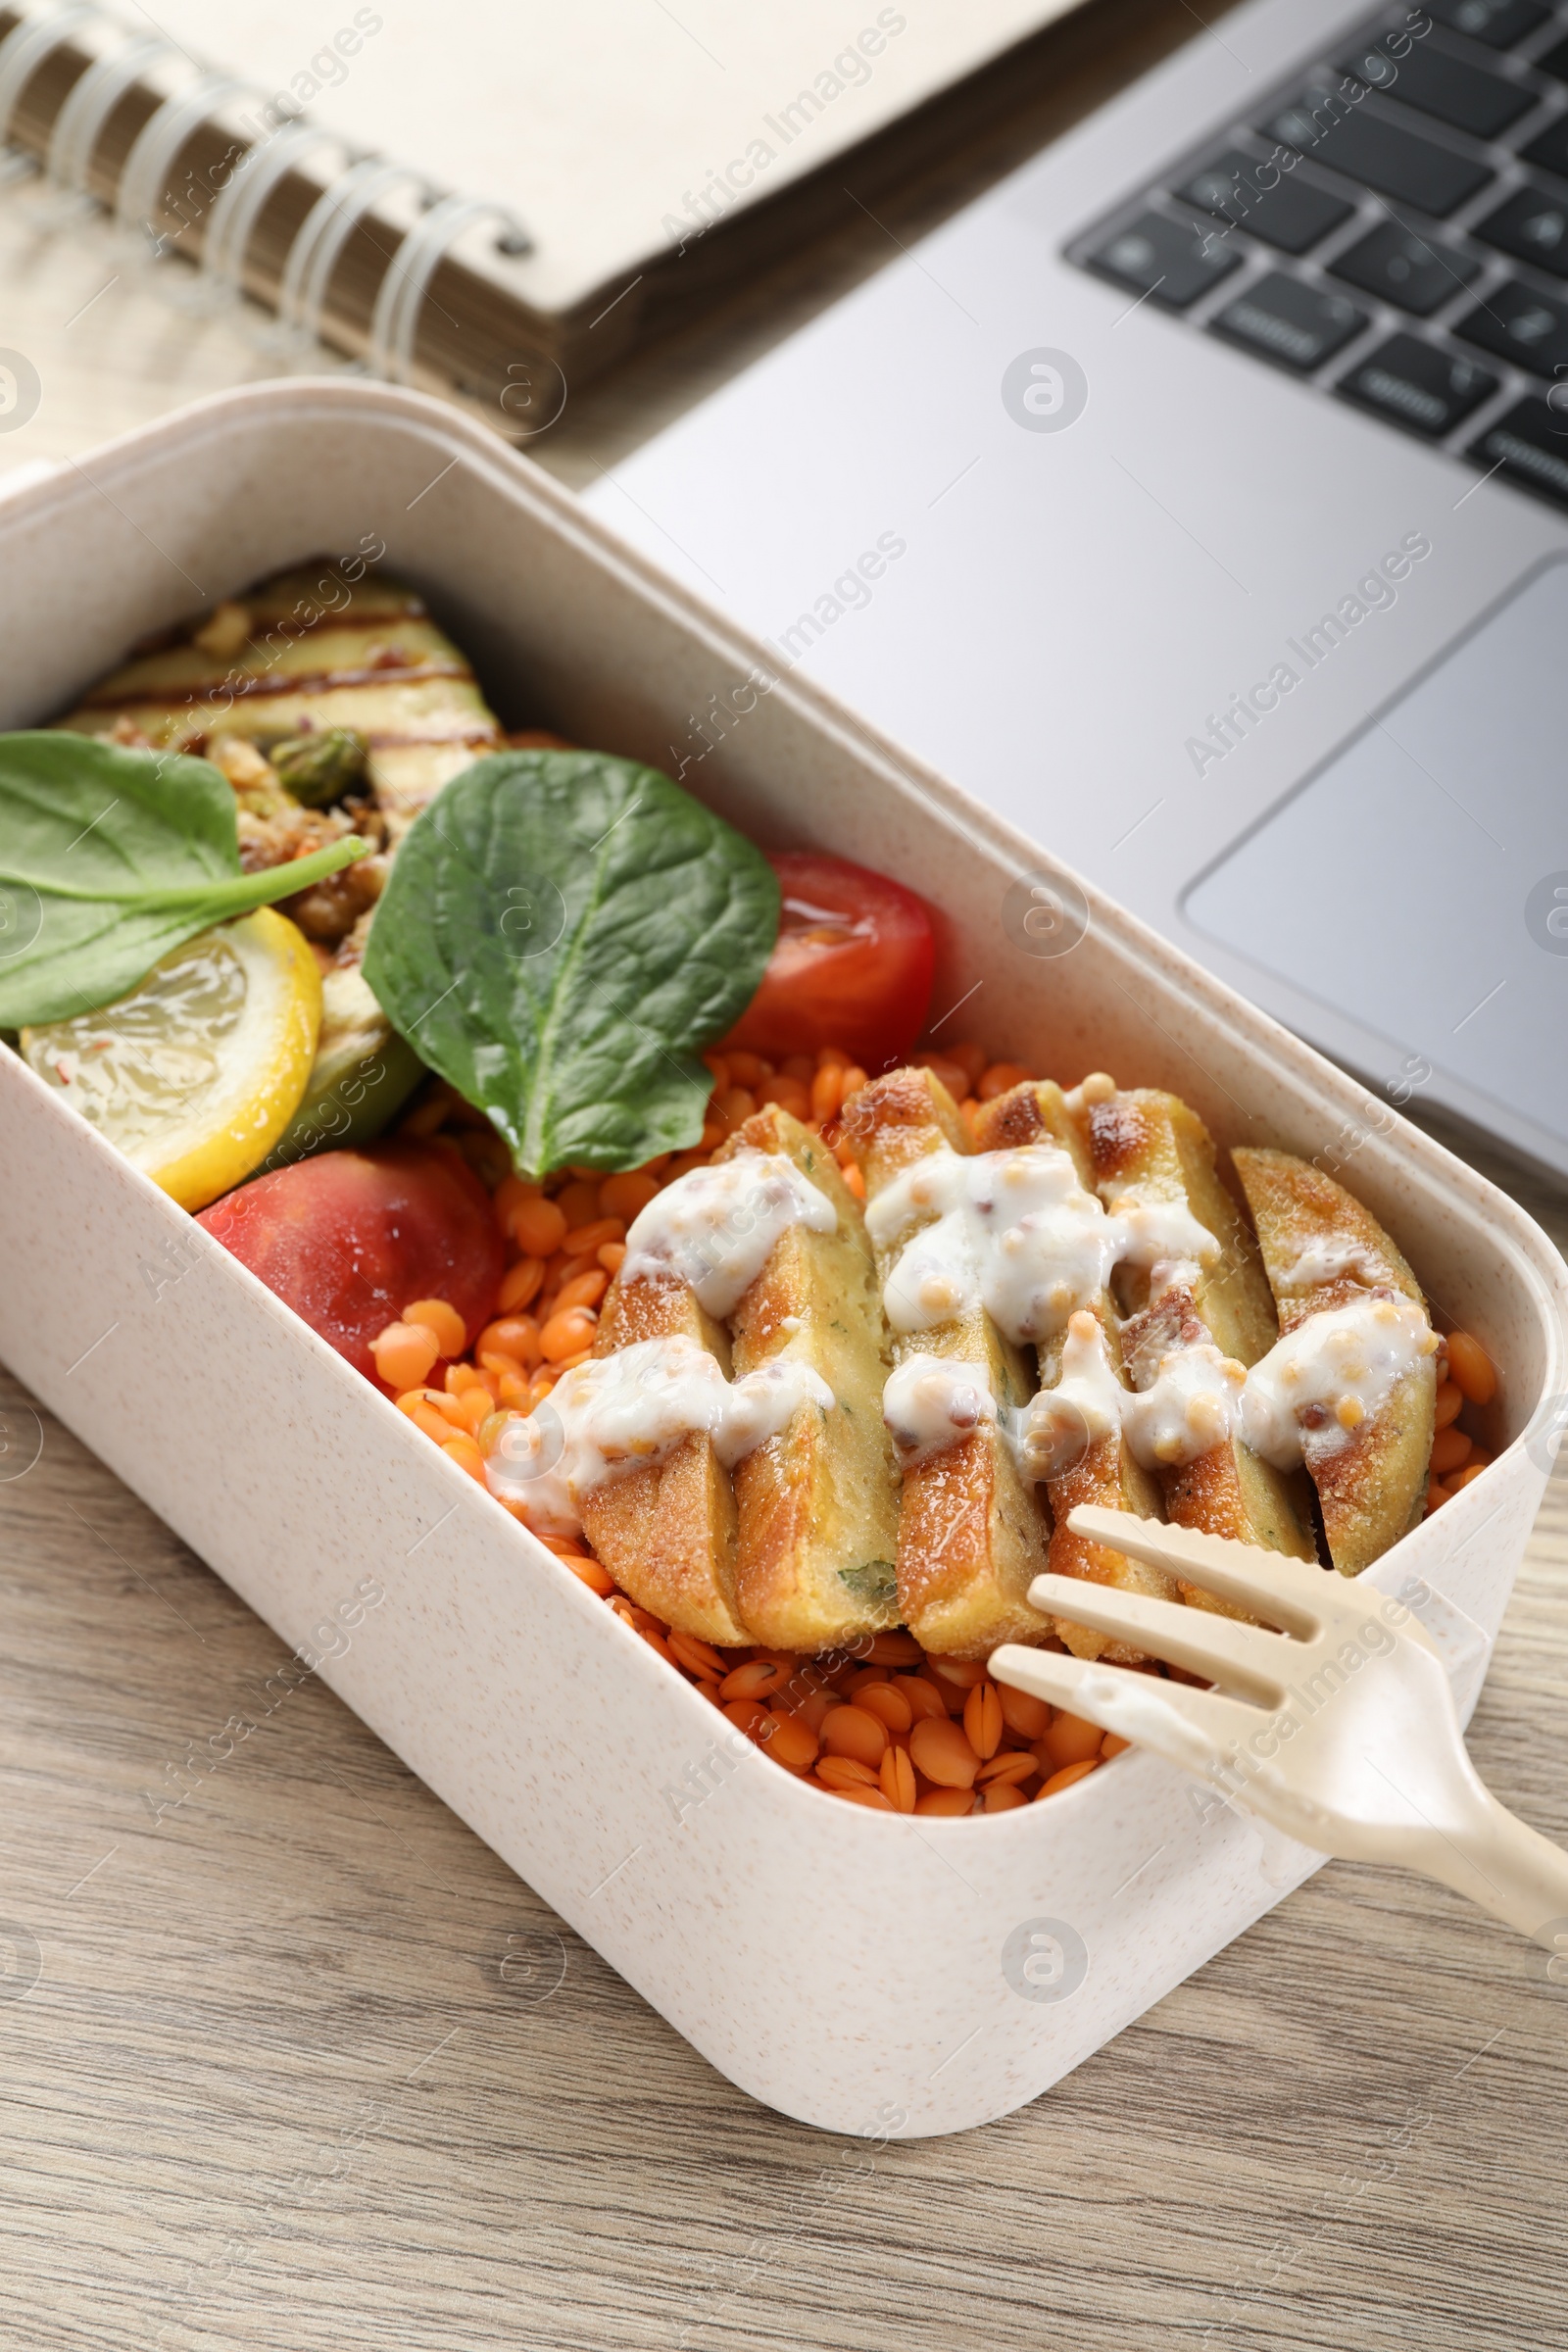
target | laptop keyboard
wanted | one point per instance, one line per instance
(1392, 225)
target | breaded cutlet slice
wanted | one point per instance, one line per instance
(818, 1504)
(1106, 1473)
(971, 1534)
(1149, 1147)
(1372, 1480)
(667, 1533)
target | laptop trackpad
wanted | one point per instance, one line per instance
(1419, 882)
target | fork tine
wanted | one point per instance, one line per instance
(1297, 1594)
(1197, 1638)
(1194, 1728)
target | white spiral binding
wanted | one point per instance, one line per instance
(79, 123)
(232, 220)
(159, 143)
(400, 300)
(322, 234)
(22, 52)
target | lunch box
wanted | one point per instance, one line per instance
(869, 1975)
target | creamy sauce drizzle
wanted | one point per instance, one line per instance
(714, 1228)
(1191, 1407)
(619, 1412)
(1318, 1384)
(1059, 1425)
(1333, 1372)
(1328, 1260)
(1016, 1233)
(931, 1401)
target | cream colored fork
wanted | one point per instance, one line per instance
(1339, 1729)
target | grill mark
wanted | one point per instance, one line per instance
(390, 743)
(285, 624)
(327, 681)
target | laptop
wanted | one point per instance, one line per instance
(1199, 500)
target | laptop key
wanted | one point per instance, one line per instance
(1416, 385)
(1501, 24)
(1555, 62)
(1338, 130)
(1404, 269)
(1281, 318)
(1291, 214)
(1549, 149)
(1532, 226)
(1517, 323)
(1168, 261)
(1449, 88)
(1529, 444)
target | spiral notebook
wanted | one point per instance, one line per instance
(491, 190)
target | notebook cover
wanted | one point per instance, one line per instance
(617, 129)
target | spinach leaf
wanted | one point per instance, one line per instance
(110, 859)
(561, 931)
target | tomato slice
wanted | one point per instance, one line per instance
(350, 1239)
(852, 965)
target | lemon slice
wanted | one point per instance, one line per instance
(196, 1073)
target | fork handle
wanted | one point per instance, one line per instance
(1506, 1867)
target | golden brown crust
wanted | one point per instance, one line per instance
(971, 1532)
(1150, 1146)
(1371, 1484)
(818, 1505)
(667, 1533)
(1106, 1473)
(1294, 1207)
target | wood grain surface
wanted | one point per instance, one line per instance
(288, 2061)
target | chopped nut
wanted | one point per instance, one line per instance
(240, 761)
(225, 632)
(350, 952)
(329, 910)
(1349, 1412)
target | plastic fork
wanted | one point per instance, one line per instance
(1340, 1728)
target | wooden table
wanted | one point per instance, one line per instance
(297, 2065)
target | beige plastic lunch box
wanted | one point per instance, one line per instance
(866, 1973)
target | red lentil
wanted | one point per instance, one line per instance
(1471, 1368)
(451, 1333)
(1069, 1741)
(941, 1753)
(892, 1727)
(852, 1731)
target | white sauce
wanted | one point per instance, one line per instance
(1013, 1232)
(1016, 1233)
(1341, 1367)
(617, 1413)
(1057, 1428)
(1327, 1260)
(931, 1401)
(1166, 1237)
(1190, 1408)
(714, 1228)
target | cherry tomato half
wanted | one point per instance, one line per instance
(851, 967)
(350, 1239)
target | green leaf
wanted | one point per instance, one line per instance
(110, 859)
(560, 933)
